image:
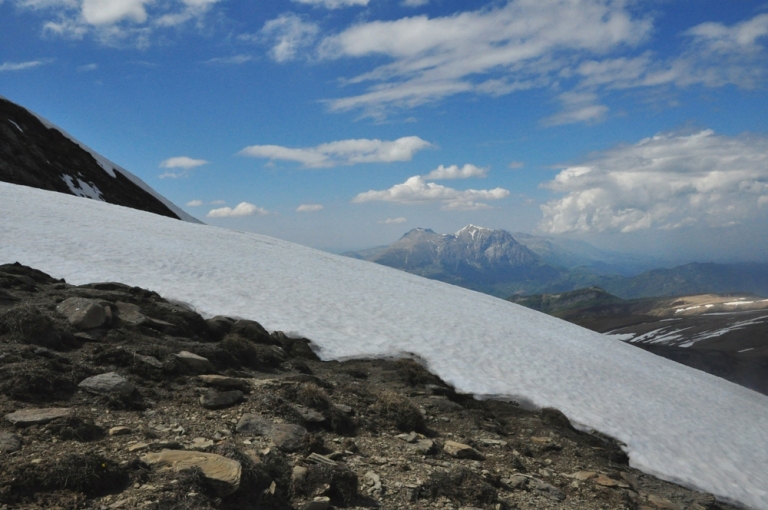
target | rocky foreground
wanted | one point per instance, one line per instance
(113, 397)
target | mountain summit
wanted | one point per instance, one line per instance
(36, 153)
(474, 257)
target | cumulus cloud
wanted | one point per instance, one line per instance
(242, 209)
(116, 22)
(182, 162)
(456, 172)
(287, 34)
(518, 45)
(21, 66)
(194, 203)
(393, 221)
(333, 4)
(342, 152)
(309, 208)
(416, 191)
(664, 182)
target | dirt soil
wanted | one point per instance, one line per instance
(284, 429)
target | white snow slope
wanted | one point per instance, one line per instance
(677, 423)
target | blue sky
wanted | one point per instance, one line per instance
(341, 124)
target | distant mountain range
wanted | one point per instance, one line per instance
(503, 264)
(35, 153)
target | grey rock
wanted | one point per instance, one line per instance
(462, 451)
(287, 436)
(254, 424)
(219, 326)
(129, 314)
(308, 415)
(222, 381)
(27, 417)
(149, 360)
(106, 384)
(220, 399)
(194, 362)
(82, 313)
(9, 443)
(251, 330)
(546, 489)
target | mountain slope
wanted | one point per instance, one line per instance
(673, 420)
(34, 152)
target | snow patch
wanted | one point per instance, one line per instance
(17, 126)
(81, 188)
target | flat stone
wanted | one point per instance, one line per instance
(9, 443)
(129, 314)
(149, 360)
(28, 417)
(606, 481)
(200, 443)
(424, 446)
(298, 475)
(138, 447)
(82, 313)
(220, 399)
(193, 361)
(582, 475)
(547, 490)
(106, 384)
(462, 451)
(222, 473)
(222, 381)
(119, 431)
(517, 482)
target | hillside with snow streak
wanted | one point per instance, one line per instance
(677, 423)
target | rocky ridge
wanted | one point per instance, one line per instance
(113, 397)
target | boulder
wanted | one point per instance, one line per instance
(253, 331)
(287, 436)
(106, 384)
(222, 381)
(28, 417)
(222, 473)
(220, 399)
(82, 313)
(254, 424)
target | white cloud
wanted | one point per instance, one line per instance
(182, 162)
(242, 209)
(287, 34)
(713, 55)
(194, 203)
(514, 165)
(333, 4)
(415, 3)
(233, 60)
(664, 182)
(21, 66)
(87, 67)
(218, 202)
(416, 191)
(454, 172)
(393, 221)
(577, 107)
(116, 22)
(518, 45)
(107, 12)
(342, 152)
(309, 208)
